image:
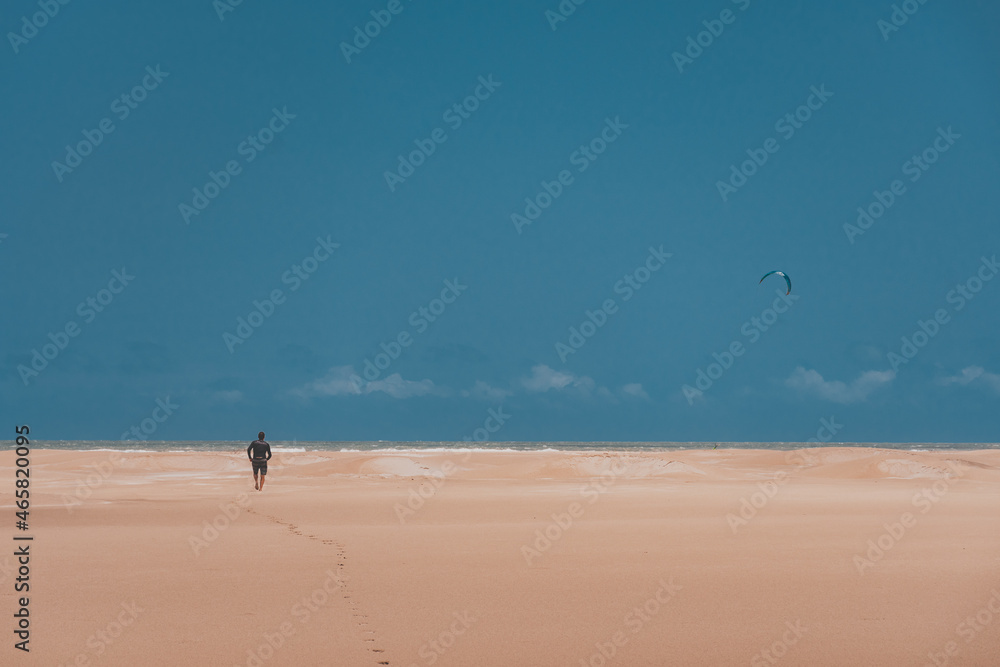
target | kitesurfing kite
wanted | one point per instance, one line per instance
(788, 280)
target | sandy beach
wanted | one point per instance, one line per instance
(834, 556)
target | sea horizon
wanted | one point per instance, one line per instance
(510, 446)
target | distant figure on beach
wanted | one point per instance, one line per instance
(259, 452)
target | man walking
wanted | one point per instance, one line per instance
(259, 452)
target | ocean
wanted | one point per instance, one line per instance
(431, 446)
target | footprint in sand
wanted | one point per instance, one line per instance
(342, 556)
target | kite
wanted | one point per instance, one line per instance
(788, 280)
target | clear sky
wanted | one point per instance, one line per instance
(507, 169)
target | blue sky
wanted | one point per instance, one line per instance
(641, 144)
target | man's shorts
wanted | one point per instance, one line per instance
(260, 466)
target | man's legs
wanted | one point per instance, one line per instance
(263, 476)
(255, 480)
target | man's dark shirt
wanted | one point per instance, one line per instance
(260, 448)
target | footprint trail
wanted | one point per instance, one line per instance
(365, 629)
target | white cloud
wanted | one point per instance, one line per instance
(337, 382)
(544, 379)
(635, 389)
(975, 374)
(839, 392)
(485, 391)
(233, 396)
(397, 387)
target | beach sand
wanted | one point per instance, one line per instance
(834, 556)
